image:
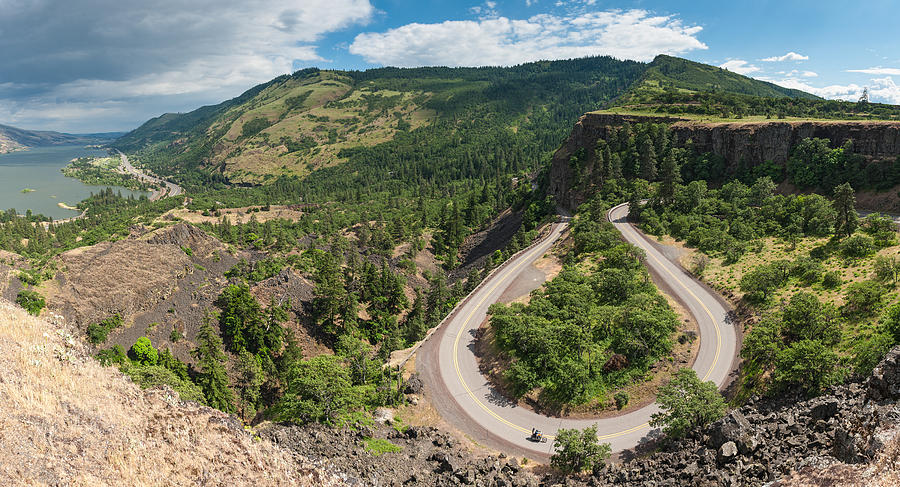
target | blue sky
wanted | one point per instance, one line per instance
(102, 65)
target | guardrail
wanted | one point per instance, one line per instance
(544, 233)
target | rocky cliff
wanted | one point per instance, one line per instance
(750, 142)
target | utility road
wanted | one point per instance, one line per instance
(465, 398)
(170, 189)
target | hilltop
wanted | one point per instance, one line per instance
(686, 89)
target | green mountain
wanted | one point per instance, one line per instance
(686, 89)
(296, 125)
(683, 75)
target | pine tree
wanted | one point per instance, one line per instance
(615, 166)
(670, 176)
(414, 323)
(213, 378)
(647, 158)
(845, 204)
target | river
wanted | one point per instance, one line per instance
(39, 170)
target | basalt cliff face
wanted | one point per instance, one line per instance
(751, 143)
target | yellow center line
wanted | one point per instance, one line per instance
(511, 271)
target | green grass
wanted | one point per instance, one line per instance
(703, 118)
(378, 446)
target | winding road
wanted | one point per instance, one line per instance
(171, 189)
(467, 400)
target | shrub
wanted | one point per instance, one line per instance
(858, 245)
(886, 268)
(832, 279)
(699, 265)
(154, 375)
(254, 127)
(31, 301)
(687, 402)
(577, 451)
(34, 277)
(175, 335)
(863, 297)
(807, 364)
(143, 352)
(759, 283)
(113, 355)
(98, 332)
(621, 398)
(379, 446)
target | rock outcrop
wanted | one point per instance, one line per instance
(741, 142)
(425, 456)
(767, 441)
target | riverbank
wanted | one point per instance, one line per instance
(39, 170)
(105, 171)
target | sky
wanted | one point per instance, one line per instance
(84, 66)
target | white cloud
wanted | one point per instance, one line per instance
(739, 66)
(180, 53)
(883, 90)
(632, 34)
(791, 56)
(487, 10)
(877, 70)
(799, 74)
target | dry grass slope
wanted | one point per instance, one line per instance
(65, 420)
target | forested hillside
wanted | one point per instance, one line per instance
(296, 124)
(674, 86)
(814, 281)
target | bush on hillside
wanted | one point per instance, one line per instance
(31, 301)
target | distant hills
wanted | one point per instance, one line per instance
(296, 125)
(13, 139)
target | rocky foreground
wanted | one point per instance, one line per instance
(847, 437)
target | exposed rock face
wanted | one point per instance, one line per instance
(884, 383)
(428, 457)
(124, 277)
(767, 440)
(751, 142)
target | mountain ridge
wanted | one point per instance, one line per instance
(14, 139)
(296, 124)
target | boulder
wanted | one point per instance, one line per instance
(727, 452)
(733, 427)
(383, 416)
(884, 383)
(413, 385)
(823, 408)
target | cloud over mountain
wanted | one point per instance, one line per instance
(84, 57)
(632, 34)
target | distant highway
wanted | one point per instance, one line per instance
(467, 400)
(169, 188)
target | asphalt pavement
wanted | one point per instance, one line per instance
(467, 400)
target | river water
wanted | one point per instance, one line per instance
(39, 170)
